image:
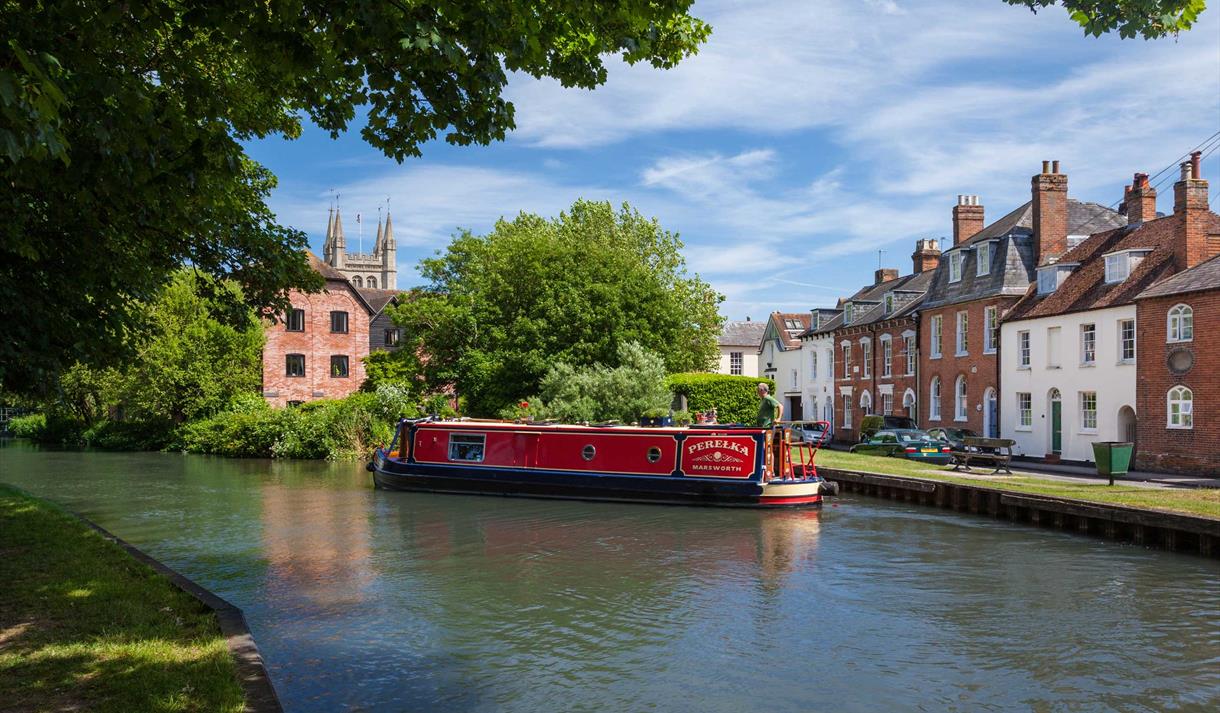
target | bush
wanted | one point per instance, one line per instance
(869, 425)
(624, 393)
(129, 435)
(735, 398)
(31, 426)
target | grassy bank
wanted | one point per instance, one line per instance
(83, 626)
(1193, 501)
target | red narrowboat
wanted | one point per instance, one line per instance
(697, 465)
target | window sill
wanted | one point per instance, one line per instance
(1125, 362)
(1087, 364)
(935, 356)
(1171, 427)
(961, 354)
(989, 351)
(1053, 366)
(1027, 367)
(1024, 429)
(960, 420)
(1179, 341)
(1087, 432)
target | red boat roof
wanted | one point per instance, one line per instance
(529, 426)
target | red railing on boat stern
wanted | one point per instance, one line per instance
(800, 454)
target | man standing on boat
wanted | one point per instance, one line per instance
(769, 411)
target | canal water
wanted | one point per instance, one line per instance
(369, 600)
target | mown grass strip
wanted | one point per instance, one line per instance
(1192, 501)
(83, 626)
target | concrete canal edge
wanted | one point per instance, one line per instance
(1151, 528)
(251, 673)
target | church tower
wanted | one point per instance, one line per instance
(375, 270)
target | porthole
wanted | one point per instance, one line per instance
(1181, 361)
(654, 454)
(588, 452)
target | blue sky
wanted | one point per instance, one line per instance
(804, 137)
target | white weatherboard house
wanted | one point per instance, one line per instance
(1068, 347)
(779, 358)
(817, 370)
(739, 342)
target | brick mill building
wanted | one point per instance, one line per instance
(979, 278)
(876, 337)
(317, 350)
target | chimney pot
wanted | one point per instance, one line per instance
(1055, 166)
(1195, 170)
(1046, 166)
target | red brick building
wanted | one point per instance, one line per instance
(1178, 362)
(317, 350)
(979, 278)
(876, 337)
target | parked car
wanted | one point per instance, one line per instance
(877, 422)
(956, 438)
(910, 443)
(810, 433)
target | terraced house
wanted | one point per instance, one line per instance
(1071, 370)
(979, 279)
(779, 357)
(876, 336)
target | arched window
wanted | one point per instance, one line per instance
(1181, 326)
(934, 399)
(908, 403)
(866, 403)
(371, 282)
(358, 281)
(1180, 406)
(959, 399)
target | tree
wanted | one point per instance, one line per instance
(1149, 19)
(121, 130)
(501, 308)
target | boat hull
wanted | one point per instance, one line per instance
(583, 485)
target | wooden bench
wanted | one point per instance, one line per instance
(996, 452)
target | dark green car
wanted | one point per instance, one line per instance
(906, 443)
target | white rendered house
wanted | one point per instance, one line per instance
(1068, 381)
(780, 358)
(818, 373)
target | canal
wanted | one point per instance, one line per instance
(368, 600)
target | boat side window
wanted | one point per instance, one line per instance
(654, 454)
(466, 447)
(588, 452)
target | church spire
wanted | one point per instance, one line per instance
(389, 233)
(338, 245)
(328, 247)
(377, 242)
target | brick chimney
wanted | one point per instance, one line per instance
(1050, 207)
(967, 218)
(884, 274)
(926, 256)
(1191, 245)
(1140, 200)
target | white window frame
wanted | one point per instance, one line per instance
(848, 310)
(846, 359)
(866, 358)
(866, 403)
(887, 404)
(796, 378)
(887, 356)
(1025, 411)
(736, 363)
(1024, 353)
(991, 328)
(1180, 324)
(937, 330)
(1123, 342)
(1179, 408)
(1088, 416)
(813, 364)
(955, 266)
(963, 334)
(847, 409)
(934, 390)
(1118, 267)
(1048, 280)
(889, 302)
(961, 399)
(983, 259)
(909, 341)
(1088, 344)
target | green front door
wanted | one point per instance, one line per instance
(1056, 427)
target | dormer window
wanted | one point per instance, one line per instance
(889, 302)
(983, 254)
(955, 266)
(1120, 265)
(1050, 277)
(847, 313)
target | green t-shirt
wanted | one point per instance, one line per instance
(766, 411)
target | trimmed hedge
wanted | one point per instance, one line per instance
(735, 398)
